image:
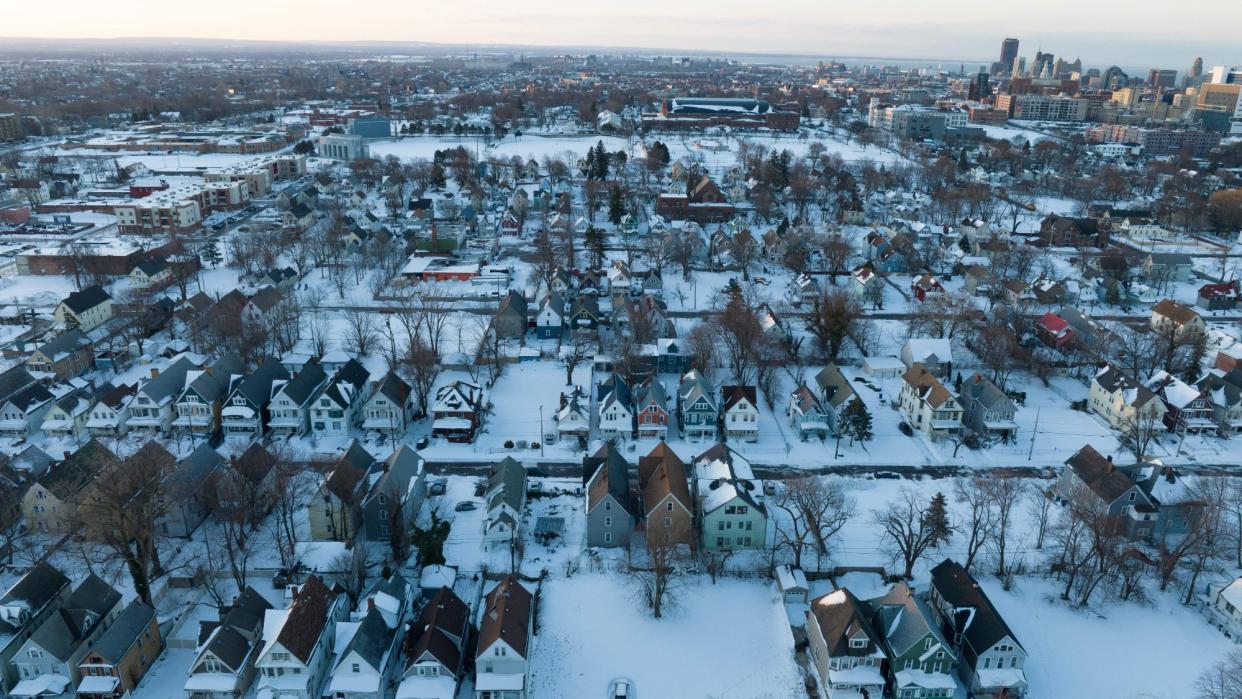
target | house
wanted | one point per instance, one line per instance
(511, 316)
(1169, 316)
(334, 412)
(927, 405)
(154, 405)
(85, 310)
(807, 414)
(584, 315)
(457, 411)
(505, 499)
(1226, 399)
(667, 508)
(245, 411)
(697, 409)
(987, 410)
(920, 661)
(727, 501)
(1122, 401)
(1093, 481)
(835, 394)
(652, 407)
(1222, 605)
(1165, 267)
(844, 647)
(1188, 407)
(991, 658)
(24, 409)
(247, 486)
(739, 412)
(297, 642)
(341, 494)
(925, 285)
(260, 312)
(573, 418)
(390, 409)
(152, 273)
(1054, 331)
(224, 667)
(367, 664)
(396, 493)
(66, 418)
(47, 663)
(615, 408)
(199, 405)
(1062, 231)
(289, 408)
(122, 654)
(935, 354)
(51, 504)
(64, 356)
(1218, 297)
(611, 506)
(867, 284)
(109, 416)
(24, 607)
(672, 356)
(435, 648)
(189, 490)
(550, 318)
(502, 657)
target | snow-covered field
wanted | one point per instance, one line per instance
(528, 146)
(728, 640)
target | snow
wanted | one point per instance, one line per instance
(592, 629)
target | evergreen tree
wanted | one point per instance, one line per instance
(616, 207)
(957, 383)
(936, 518)
(857, 421)
(594, 241)
(210, 253)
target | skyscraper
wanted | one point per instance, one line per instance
(1196, 69)
(1009, 51)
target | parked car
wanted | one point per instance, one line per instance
(438, 486)
(905, 428)
(422, 443)
(620, 689)
(465, 506)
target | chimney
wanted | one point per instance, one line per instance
(1110, 463)
(370, 604)
(66, 454)
(155, 372)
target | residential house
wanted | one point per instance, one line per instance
(122, 654)
(510, 321)
(66, 418)
(727, 498)
(154, 405)
(51, 504)
(584, 315)
(672, 356)
(1165, 267)
(1222, 605)
(367, 665)
(224, 667)
(1062, 231)
(1189, 409)
(652, 407)
(835, 394)
(395, 495)
(85, 310)
(807, 414)
(390, 409)
(843, 645)
(109, 416)
(927, 405)
(1218, 297)
(152, 273)
(245, 411)
(1224, 390)
(667, 507)
(335, 509)
(24, 409)
(504, 498)
(502, 656)
(611, 507)
(297, 642)
(47, 663)
(261, 311)
(697, 411)
(24, 607)
(199, 405)
(1093, 481)
(289, 409)
(64, 356)
(1169, 316)
(921, 663)
(550, 318)
(739, 412)
(189, 490)
(1054, 331)
(457, 411)
(935, 354)
(991, 658)
(615, 408)
(987, 410)
(435, 648)
(1123, 401)
(334, 412)
(925, 285)
(573, 418)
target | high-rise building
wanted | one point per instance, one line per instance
(10, 127)
(1009, 51)
(1019, 66)
(1162, 79)
(980, 87)
(1196, 69)
(1225, 75)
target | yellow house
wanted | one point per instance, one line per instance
(51, 504)
(86, 309)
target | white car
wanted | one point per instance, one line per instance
(620, 689)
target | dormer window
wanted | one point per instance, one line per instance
(858, 643)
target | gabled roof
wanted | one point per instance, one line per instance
(732, 395)
(394, 389)
(307, 619)
(926, 385)
(903, 620)
(170, 381)
(370, 641)
(506, 616)
(82, 301)
(347, 383)
(611, 477)
(988, 394)
(506, 484)
(257, 387)
(842, 616)
(301, 388)
(14, 380)
(982, 626)
(1174, 311)
(229, 646)
(833, 386)
(117, 639)
(33, 591)
(63, 344)
(213, 382)
(1099, 474)
(349, 472)
(255, 463)
(80, 468)
(662, 473)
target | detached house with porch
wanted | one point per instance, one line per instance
(334, 412)
(84, 310)
(992, 659)
(245, 411)
(739, 412)
(610, 501)
(297, 642)
(457, 411)
(845, 648)
(289, 409)
(697, 408)
(435, 648)
(122, 655)
(390, 409)
(1122, 401)
(927, 405)
(502, 657)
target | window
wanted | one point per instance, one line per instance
(608, 521)
(607, 537)
(668, 507)
(858, 643)
(356, 668)
(500, 651)
(668, 521)
(608, 506)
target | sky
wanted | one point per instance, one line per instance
(1151, 33)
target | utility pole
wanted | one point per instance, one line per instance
(1034, 432)
(540, 429)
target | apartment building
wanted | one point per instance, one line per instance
(182, 209)
(1044, 107)
(10, 127)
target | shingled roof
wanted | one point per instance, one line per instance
(307, 619)
(506, 616)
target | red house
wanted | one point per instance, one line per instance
(1054, 331)
(924, 285)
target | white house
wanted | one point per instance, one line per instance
(502, 657)
(297, 642)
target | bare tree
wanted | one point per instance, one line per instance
(361, 334)
(1003, 494)
(1041, 506)
(579, 351)
(978, 519)
(421, 367)
(1139, 430)
(835, 316)
(907, 532)
(292, 489)
(1223, 680)
(815, 509)
(660, 579)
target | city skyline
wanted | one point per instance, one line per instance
(789, 27)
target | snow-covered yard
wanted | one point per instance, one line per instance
(592, 629)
